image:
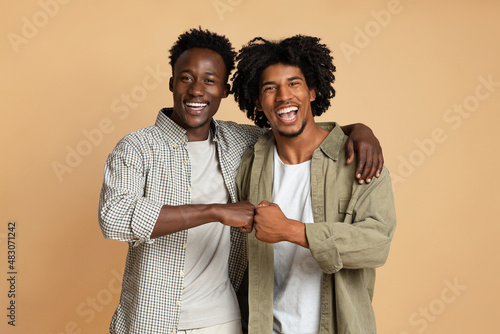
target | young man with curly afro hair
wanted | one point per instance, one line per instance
(319, 235)
(169, 192)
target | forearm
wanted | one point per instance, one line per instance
(363, 142)
(296, 233)
(272, 226)
(173, 219)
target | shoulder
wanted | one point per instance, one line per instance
(229, 127)
(247, 159)
(261, 148)
(142, 143)
(140, 137)
(238, 135)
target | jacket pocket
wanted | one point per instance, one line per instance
(346, 207)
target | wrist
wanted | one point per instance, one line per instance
(213, 212)
(298, 234)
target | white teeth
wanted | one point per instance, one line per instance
(194, 104)
(287, 110)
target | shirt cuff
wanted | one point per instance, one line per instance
(323, 248)
(144, 220)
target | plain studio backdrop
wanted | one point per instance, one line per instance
(78, 75)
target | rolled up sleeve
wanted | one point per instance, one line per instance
(125, 214)
(363, 238)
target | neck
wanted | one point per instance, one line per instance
(198, 134)
(301, 148)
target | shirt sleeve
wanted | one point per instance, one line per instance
(363, 239)
(125, 214)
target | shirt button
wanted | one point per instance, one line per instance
(189, 188)
(181, 274)
(177, 303)
(184, 245)
(174, 330)
(175, 145)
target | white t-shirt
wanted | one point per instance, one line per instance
(297, 276)
(208, 297)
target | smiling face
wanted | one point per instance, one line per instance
(198, 85)
(285, 99)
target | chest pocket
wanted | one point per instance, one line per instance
(346, 207)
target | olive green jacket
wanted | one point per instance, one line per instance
(352, 231)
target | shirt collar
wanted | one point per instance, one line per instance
(175, 131)
(334, 142)
(331, 146)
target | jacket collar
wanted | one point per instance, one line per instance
(334, 142)
(331, 146)
(176, 132)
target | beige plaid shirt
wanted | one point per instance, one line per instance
(147, 169)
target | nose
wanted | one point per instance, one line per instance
(196, 89)
(283, 94)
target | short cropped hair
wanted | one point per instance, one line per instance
(305, 52)
(204, 39)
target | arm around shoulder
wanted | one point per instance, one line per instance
(362, 141)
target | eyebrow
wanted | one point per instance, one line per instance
(207, 73)
(288, 79)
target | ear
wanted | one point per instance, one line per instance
(227, 89)
(171, 84)
(258, 105)
(312, 94)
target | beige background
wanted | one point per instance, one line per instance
(406, 68)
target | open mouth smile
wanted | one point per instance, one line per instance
(287, 114)
(195, 107)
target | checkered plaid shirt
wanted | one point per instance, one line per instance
(147, 169)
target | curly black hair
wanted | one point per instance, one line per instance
(304, 52)
(204, 39)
